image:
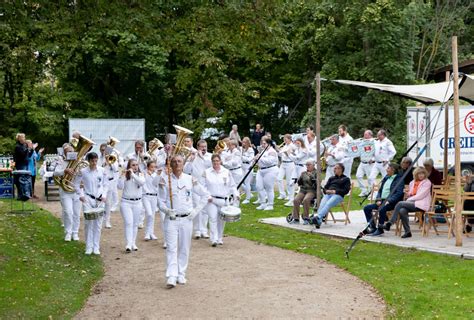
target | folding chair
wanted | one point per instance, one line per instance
(345, 209)
(466, 214)
(446, 196)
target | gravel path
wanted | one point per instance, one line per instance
(241, 279)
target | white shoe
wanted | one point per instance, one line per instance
(97, 252)
(363, 194)
(171, 283)
(261, 207)
(197, 235)
(128, 250)
(67, 237)
(246, 201)
(140, 226)
(75, 237)
(88, 252)
(108, 225)
(147, 237)
(268, 208)
(220, 242)
(182, 280)
(256, 202)
(205, 236)
(153, 237)
(289, 203)
(165, 246)
(281, 197)
(134, 248)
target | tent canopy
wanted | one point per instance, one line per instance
(425, 93)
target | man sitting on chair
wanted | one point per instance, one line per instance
(387, 198)
(334, 191)
(307, 183)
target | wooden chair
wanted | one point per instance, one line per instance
(416, 215)
(446, 196)
(345, 208)
(466, 213)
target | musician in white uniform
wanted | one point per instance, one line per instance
(344, 140)
(384, 153)
(365, 167)
(299, 155)
(334, 155)
(138, 155)
(247, 157)
(131, 182)
(286, 171)
(197, 163)
(94, 195)
(267, 174)
(70, 203)
(311, 146)
(112, 170)
(221, 186)
(179, 216)
(232, 160)
(150, 199)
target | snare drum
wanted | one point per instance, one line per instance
(230, 214)
(93, 213)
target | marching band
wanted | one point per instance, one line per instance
(195, 191)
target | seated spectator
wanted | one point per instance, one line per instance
(469, 204)
(434, 175)
(419, 199)
(404, 165)
(334, 191)
(307, 183)
(387, 198)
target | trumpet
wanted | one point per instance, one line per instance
(112, 157)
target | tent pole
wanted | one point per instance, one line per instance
(446, 134)
(457, 144)
(318, 137)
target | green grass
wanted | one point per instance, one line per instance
(414, 284)
(41, 275)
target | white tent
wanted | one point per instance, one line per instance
(425, 93)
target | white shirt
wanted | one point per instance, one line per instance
(132, 189)
(95, 182)
(198, 165)
(335, 154)
(219, 184)
(268, 159)
(61, 164)
(384, 150)
(247, 157)
(344, 143)
(151, 183)
(299, 155)
(232, 159)
(311, 148)
(182, 191)
(160, 158)
(284, 156)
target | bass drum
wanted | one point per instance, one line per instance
(230, 214)
(93, 213)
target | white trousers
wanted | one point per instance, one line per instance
(131, 211)
(248, 181)
(266, 185)
(236, 175)
(150, 204)
(112, 200)
(201, 219)
(216, 224)
(348, 166)
(71, 211)
(329, 172)
(378, 167)
(178, 239)
(286, 171)
(298, 171)
(92, 228)
(364, 170)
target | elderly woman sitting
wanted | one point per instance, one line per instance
(419, 199)
(307, 183)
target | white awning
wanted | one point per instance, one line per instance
(425, 93)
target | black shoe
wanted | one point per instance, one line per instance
(214, 244)
(387, 226)
(378, 232)
(468, 228)
(406, 235)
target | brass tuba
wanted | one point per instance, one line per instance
(112, 157)
(220, 146)
(66, 182)
(179, 147)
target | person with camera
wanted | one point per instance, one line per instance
(307, 184)
(390, 193)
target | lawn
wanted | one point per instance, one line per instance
(414, 284)
(41, 275)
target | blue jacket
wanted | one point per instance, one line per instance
(395, 195)
(32, 162)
